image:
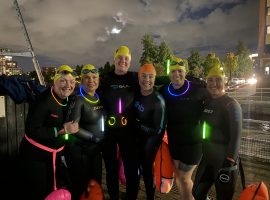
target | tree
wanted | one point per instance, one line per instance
(78, 69)
(150, 51)
(195, 63)
(107, 68)
(210, 61)
(245, 66)
(230, 64)
(159, 69)
(164, 53)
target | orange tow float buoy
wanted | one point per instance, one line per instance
(255, 192)
(163, 168)
(94, 191)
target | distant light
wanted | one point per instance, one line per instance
(8, 58)
(253, 55)
(252, 81)
(115, 30)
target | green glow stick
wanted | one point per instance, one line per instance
(204, 129)
(168, 66)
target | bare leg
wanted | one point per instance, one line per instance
(183, 174)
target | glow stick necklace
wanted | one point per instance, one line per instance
(56, 98)
(88, 100)
(176, 95)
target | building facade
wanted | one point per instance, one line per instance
(263, 60)
(8, 66)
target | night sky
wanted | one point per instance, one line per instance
(88, 31)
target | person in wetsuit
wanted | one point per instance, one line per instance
(149, 123)
(184, 105)
(221, 133)
(45, 130)
(83, 152)
(117, 90)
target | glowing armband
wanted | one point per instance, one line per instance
(120, 106)
(205, 131)
(102, 123)
(124, 121)
(204, 127)
(111, 121)
(66, 136)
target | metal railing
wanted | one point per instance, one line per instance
(253, 94)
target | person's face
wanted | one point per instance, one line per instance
(64, 86)
(90, 82)
(147, 81)
(177, 76)
(122, 64)
(215, 86)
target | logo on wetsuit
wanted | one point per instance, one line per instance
(139, 106)
(119, 86)
(208, 111)
(97, 108)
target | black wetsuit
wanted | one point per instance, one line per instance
(183, 113)
(83, 152)
(150, 121)
(223, 124)
(117, 94)
(45, 117)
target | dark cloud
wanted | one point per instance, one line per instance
(78, 32)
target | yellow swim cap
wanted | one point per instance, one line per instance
(88, 68)
(63, 70)
(216, 71)
(123, 51)
(177, 63)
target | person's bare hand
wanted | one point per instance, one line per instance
(71, 127)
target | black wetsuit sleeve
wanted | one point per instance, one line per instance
(235, 127)
(75, 114)
(158, 119)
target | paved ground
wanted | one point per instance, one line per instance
(254, 172)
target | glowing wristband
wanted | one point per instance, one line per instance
(66, 136)
(124, 121)
(111, 123)
(55, 132)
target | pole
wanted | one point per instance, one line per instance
(30, 47)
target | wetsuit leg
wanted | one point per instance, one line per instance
(225, 191)
(128, 152)
(204, 179)
(95, 163)
(148, 150)
(76, 160)
(33, 172)
(109, 153)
